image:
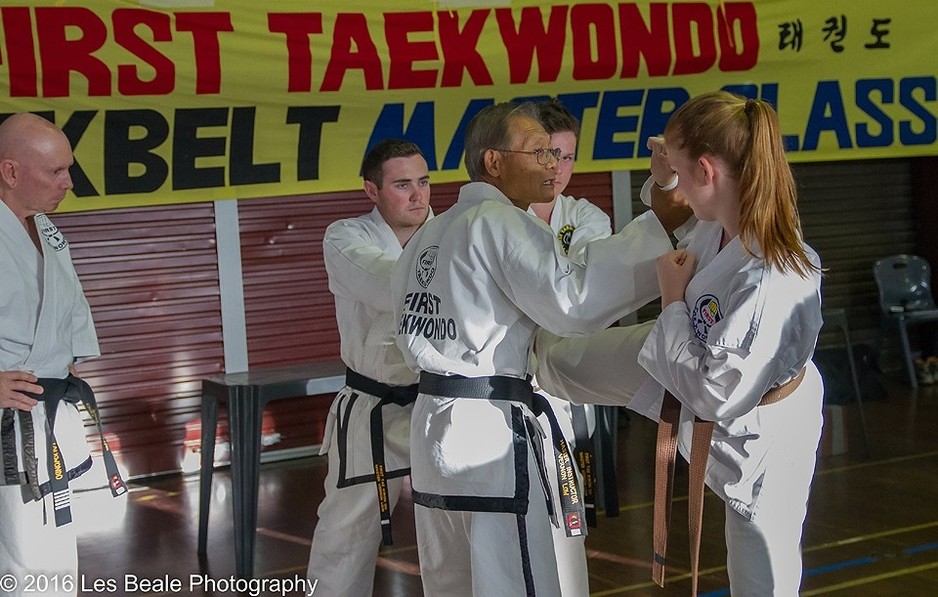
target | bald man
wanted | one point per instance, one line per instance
(45, 329)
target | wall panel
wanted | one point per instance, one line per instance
(151, 277)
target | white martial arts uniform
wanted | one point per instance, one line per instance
(359, 255)
(47, 326)
(743, 329)
(474, 284)
(575, 223)
(600, 368)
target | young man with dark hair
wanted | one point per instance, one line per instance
(368, 429)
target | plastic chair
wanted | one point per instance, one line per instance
(905, 299)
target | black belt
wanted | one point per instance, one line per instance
(72, 390)
(515, 389)
(493, 387)
(401, 396)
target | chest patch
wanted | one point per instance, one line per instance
(705, 315)
(565, 236)
(426, 265)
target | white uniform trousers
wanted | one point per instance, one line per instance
(478, 554)
(30, 547)
(569, 551)
(347, 538)
(764, 554)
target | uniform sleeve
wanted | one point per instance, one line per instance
(592, 224)
(682, 232)
(84, 336)
(567, 298)
(755, 346)
(601, 368)
(357, 268)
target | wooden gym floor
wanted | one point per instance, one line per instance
(872, 526)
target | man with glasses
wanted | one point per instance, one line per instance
(473, 285)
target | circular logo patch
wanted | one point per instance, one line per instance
(705, 315)
(565, 236)
(50, 233)
(426, 265)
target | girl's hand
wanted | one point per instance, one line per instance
(675, 269)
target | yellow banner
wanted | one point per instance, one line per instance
(192, 100)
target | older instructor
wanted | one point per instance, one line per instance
(46, 328)
(474, 285)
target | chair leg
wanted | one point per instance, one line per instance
(880, 340)
(907, 354)
(856, 386)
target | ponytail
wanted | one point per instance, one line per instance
(746, 135)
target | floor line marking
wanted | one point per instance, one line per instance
(284, 536)
(871, 463)
(807, 573)
(869, 536)
(870, 579)
(849, 467)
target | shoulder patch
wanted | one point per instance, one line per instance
(50, 232)
(426, 265)
(705, 315)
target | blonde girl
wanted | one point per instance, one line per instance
(741, 312)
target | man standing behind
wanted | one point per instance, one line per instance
(368, 429)
(47, 328)
(474, 285)
(575, 223)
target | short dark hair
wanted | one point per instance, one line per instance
(557, 119)
(383, 151)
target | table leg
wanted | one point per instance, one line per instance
(207, 468)
(244, 413)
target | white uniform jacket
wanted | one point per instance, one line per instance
(602, 368)
(359, 255)
(47, 326)
(742, 329)
(474, 284)
(577, 222)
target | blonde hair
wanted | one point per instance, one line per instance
(746, 135)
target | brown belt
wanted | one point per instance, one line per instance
(665, 456)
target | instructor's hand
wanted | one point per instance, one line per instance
(12, 384)
(675, 269)
(660, 166)
(669, 206)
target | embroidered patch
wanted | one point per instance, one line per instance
(565, 236)
(705, 315)
(426, 265)
(49, 232)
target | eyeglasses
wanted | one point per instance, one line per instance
(542, 155)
